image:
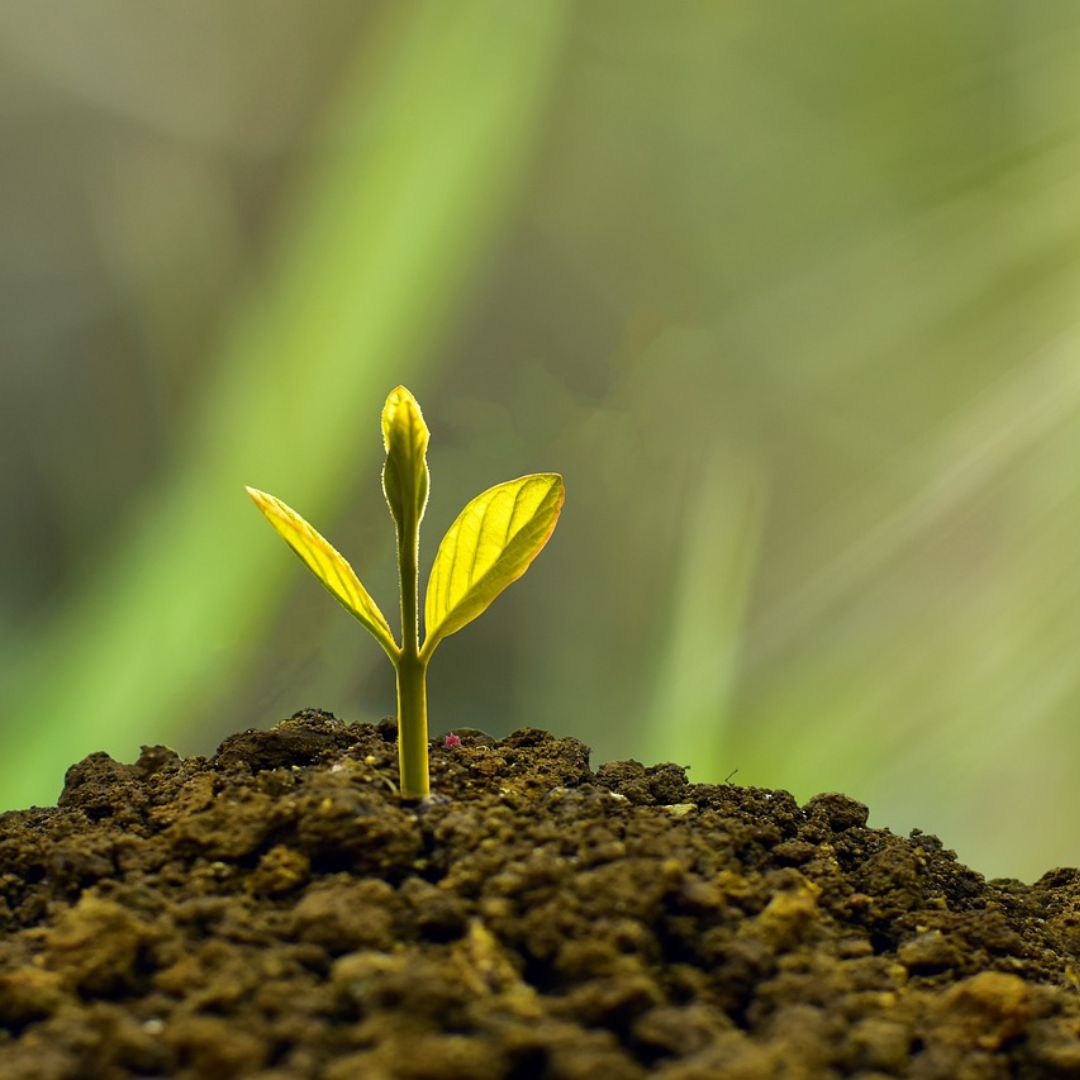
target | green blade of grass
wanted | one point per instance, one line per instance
(698, 667)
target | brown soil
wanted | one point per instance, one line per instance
(277, 912)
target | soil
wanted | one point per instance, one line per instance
(277, 912)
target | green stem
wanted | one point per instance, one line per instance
(411, 674)
(412, 727)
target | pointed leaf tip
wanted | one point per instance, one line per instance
(405, 472)
(327, 564)
(491, 544)
(400, 413)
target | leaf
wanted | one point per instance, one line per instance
(405, 473)
(327, 565)
(491, 544)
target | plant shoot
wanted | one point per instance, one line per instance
(491, 544)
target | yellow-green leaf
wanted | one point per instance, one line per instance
(490, 545)
(405, 474)
(327, 565)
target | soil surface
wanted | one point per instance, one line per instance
(278, 912)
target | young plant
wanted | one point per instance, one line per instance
(490, 545)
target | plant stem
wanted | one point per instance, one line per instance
(412, 726)
(411, 672)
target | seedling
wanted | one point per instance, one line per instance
(491, 544)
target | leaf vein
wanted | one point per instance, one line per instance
(450, 576)
(513, 510)
(476, 544)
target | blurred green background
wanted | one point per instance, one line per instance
(789, 293)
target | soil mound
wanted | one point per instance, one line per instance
(277, 912)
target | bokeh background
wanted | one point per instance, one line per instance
(789, 293)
